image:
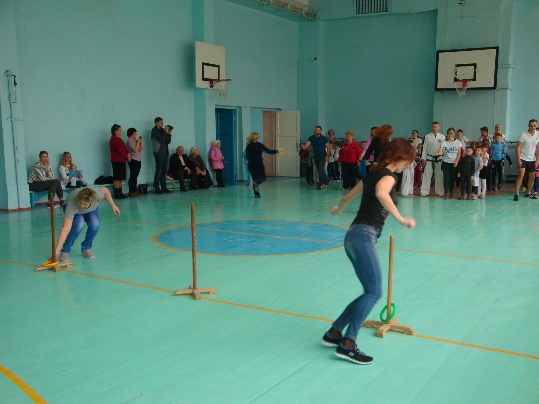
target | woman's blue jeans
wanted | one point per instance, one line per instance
(93, 222)
(360, 247)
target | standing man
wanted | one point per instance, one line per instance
(160, 141)
(321, 153)
(431, 162)
(180, 167)
(527, 157)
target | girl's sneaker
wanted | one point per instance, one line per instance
(353, 355)
(451, 196)
(330, 341)
(446, 196)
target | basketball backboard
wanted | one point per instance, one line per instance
(209, 63)
(478, 66)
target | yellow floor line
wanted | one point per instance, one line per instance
(287, 313)
(140, 285)
(30, 392)
(19, 263)
(485, 348)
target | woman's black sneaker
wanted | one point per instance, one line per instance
(353, 355)
(329, 341)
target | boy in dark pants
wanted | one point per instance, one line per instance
(466, 172)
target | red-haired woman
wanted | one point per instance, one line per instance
(378, 201)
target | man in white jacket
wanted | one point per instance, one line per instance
(431, 162)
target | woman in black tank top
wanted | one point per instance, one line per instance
(378, 201)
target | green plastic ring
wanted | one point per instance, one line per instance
(393, 312)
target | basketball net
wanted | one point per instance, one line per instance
(460, 87)
(221, 86)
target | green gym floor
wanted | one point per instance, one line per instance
(110, 330)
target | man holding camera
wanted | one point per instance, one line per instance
(160, 140)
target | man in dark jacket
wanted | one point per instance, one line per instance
(182, 167)
(160, 141)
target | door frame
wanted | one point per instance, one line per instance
(236, 136)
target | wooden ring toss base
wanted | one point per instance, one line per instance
(193, 289)
(53, 265)
(392, 323)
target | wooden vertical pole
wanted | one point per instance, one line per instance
(194, 243)
(193, 289)
(392, 323)
(53, 227)
(53, 265)
(390, 277)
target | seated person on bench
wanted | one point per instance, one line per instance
(203, 177)
(76, 179)
(41, 178)
(181, 167)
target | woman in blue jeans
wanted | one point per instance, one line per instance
(81, 206)
(379, 199)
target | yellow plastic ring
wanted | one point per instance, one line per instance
(50, 264)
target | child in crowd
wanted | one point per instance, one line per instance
(450, 152)
(463, 139)
(330, 164)
(362, 168)
(407, 185)
(498, 153)
(304, 154)
(466, 174)
(336, 170)
(535, 193)
(418, 170)
(326, 175)
(484, 173)
(478, 158)
(311, 166)
(76, 179)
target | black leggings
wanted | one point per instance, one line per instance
(496, 170)
(219, 176)
(349, 174)
(449, 171)
(134, 170)
(53, 186)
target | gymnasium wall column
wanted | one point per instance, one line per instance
(204, 100)
(13, 186)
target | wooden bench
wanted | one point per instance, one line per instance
(35, 196)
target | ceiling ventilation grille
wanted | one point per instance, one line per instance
(366, 7)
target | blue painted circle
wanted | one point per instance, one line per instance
(256, 237)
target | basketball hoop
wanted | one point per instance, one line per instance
(221, 85)
(460, 87)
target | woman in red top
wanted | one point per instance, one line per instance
(118, 156)
(348, 160)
